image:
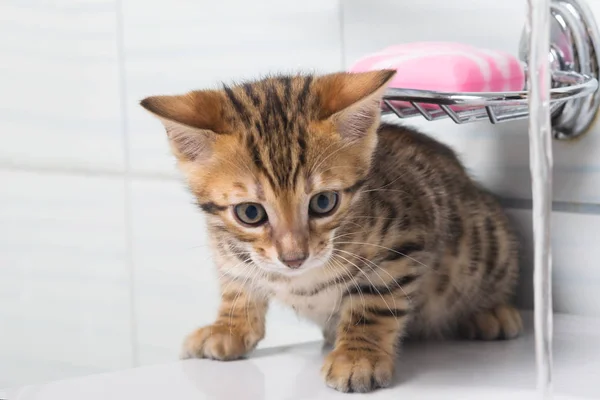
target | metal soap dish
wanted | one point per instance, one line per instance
(575, 97)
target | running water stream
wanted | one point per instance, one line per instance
(540, 153)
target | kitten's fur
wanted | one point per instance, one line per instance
(414, 245)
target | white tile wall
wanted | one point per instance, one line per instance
(65, 272)
(576, 275)
(58, 77)
(181, 45)
(64, 281)
(174, 283)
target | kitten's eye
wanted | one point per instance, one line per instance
(251, 214)
(323, 204)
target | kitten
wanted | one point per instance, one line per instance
(372, 231)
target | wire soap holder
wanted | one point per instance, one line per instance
(574, 100)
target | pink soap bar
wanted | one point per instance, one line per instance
(447, 67)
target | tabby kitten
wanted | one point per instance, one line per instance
(374, 232)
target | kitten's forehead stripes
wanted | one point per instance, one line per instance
(274, 114)
(239, 107)
(304, 92)
(251, 94)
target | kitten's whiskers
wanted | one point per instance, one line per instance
(372, 285)
(392, 250)
(382, 269)
(354, 282)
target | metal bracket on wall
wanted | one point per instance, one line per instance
(575, 98)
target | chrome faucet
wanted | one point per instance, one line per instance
(574, 56)
(574, 47)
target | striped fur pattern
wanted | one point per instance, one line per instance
(413, 246)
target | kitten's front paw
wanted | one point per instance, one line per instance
(219, 342)
(357, 370)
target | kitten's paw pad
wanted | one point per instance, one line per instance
(502, 322)
(219, 342)
(357, 370)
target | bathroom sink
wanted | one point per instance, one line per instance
(426, 370)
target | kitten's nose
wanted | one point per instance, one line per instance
(293, 263)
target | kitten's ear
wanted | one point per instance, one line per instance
(192, 121)
(352, 100)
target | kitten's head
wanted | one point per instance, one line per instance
(277, 163)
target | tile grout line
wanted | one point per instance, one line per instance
(129, 174)
(88, 172)
(342, 31)
(127, 182)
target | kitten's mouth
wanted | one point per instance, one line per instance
(283, 270)
(313, 262)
